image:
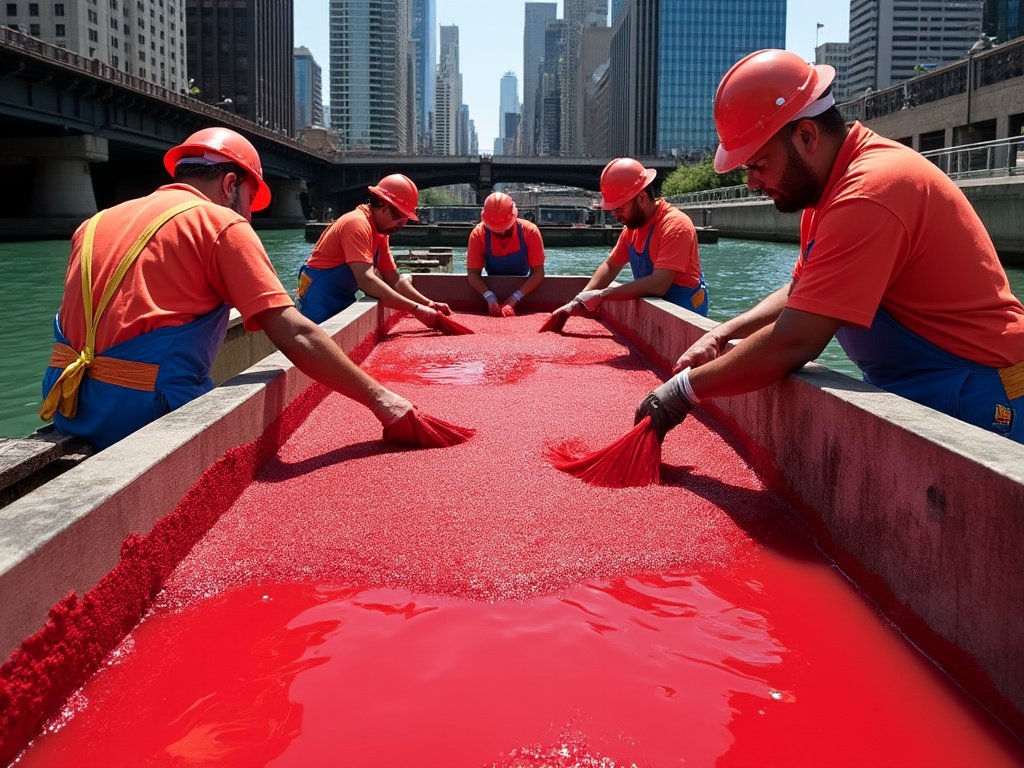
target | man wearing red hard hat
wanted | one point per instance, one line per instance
(147, 295)
(658, 241)
(504, 244)
(893, 261)
(353, 254)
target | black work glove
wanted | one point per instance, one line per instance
(667, 406)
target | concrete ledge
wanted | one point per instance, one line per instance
(67, 534)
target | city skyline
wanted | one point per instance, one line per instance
(492, 44)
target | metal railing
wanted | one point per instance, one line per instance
(986, 159)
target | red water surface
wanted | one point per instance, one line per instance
(468, 606)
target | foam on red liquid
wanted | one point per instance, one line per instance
(473, 606)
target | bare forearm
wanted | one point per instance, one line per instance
(476, 281)
(602, 277)
(536, 278)
(655, 284)
(373, 286)
(761, 314)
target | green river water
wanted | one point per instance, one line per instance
(738, 273)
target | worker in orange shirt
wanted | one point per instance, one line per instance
(658, 241)
(147, 295)
(504, 244)
(893, 262)
(354, 254)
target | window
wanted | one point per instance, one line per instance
(59, 30)
(33, 29)
(58, 9)
(12, 9)
(33, 9)
(94, 36)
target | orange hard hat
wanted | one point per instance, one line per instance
(398, 190)
(222, 145)
(758, 95)
(623, 179)
(499, 213)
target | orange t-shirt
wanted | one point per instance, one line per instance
(892, 230)
(475, 251)
(352, 238)
(197, 261)
(673, 244)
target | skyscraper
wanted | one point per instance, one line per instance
(241, 50)
(424, 34)
(667, 58)
(1004, 19)
(889, 39)
(370, 86)
(508, 104)
(579, 14)
(447, 94)
(309, 105)
(536, 16)
(838, 56)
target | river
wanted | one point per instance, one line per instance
(738, 273)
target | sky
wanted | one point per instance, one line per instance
(491, 44)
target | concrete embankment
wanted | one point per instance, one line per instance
(998, 202)
(924, 512)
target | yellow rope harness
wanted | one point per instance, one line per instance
(125, 373)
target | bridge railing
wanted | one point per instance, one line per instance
(39, 49)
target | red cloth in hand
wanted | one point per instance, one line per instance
(555, 322)
(631, 461)
(424, 431)
(450, 327)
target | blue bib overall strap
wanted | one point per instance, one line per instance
(693, 299)
(515, 263)
(894, 358)
(103, 398)
(323, 293)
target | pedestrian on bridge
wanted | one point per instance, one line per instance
(504, 244)
(147, 293)
(354, 254)
(893, 261)
(658, 241)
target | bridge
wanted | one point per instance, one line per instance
(78, 135)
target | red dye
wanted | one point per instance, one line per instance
(474, 606)
(632, 461)
(555, 322)
(451, 327)
(424, 431)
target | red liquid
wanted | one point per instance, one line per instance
(362, 605)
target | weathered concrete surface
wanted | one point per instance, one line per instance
(924, 511)
(67, 534)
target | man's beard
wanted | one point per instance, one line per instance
(801, 188)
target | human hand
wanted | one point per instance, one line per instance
(426, 315)
(440, 306)
(590, 299)
(389, 407)
(508, 310)
(703, 350)
(572, 309)
(667, 405)
(493, 307)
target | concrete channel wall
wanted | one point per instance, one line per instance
(925, 512)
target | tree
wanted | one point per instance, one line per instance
(700, 176)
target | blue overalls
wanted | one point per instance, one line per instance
(894, 358)
(103, 398)
(694, 299)
(515, 263)
(323, 293)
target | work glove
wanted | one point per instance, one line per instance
(572, 309)
(668, 405)
(590, 299)
(440, 306)
(426, 315)
(389, 407)
(493, 307)
(508, 309)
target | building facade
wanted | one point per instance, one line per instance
(369, 75)
(1003, 19)
(309, 104)
(424, 37)
(143, 38)
(536, 16)
(578, 16)
(447, 94)
(240, 58)
(508, 104)
(838, 56)
(894, 40)
(667, 58)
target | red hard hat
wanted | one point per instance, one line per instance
(400, 192)
(499, 213)
(222, 145)
(758, 95)
(623, 179)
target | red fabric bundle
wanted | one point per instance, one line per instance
(450, 327)
(631, 461)
(555, 322)
(423, 431)
(507, 311)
